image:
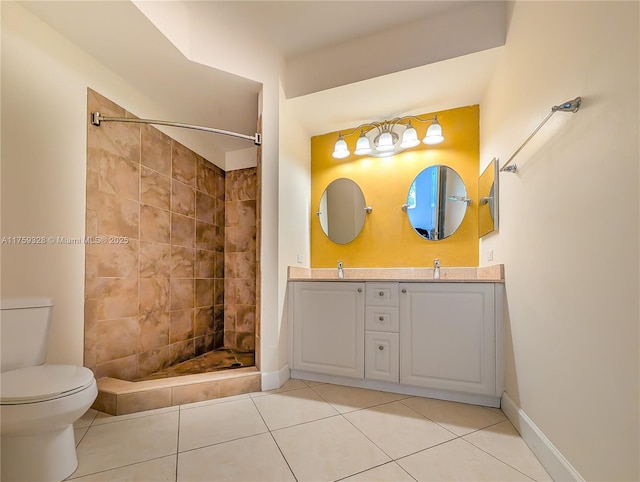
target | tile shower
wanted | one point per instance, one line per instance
(178, 280)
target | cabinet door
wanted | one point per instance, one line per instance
(328, 328)
(447, 336)
(381, 356)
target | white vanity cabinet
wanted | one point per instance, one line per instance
(434, 339)
(448, 337)
(328, 328)
(381, 345)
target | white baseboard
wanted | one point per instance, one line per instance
(550, 457)
(274, 380)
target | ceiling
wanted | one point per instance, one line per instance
(345, 61)
(299, 27)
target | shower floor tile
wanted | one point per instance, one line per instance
(213, 361)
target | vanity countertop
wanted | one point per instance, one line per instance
(489, 274)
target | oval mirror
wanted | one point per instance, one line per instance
(342, 211)
(437, 202)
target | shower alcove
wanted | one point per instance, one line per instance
(170, 279)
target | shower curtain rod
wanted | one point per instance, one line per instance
(569, 106)
(97, 118)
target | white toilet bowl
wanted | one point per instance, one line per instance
(38, 403)
(38, 407)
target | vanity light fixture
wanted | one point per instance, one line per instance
(382, 139)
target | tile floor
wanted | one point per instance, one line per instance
(305, 431)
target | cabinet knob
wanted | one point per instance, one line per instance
(380, 347)
(404, 290)
(359, 290)
(382, 293)
(381, 318)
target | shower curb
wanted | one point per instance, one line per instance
(121, 397)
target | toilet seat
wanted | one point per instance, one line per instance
(42, 383)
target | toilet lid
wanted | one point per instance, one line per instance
(43, 382)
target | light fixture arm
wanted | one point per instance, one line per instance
(387, 141)
(388, 124)
(569, 106)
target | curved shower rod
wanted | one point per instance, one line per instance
(569, 106)
(97, 118)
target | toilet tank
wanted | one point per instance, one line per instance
(24, 327)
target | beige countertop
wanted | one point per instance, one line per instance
(492, 274)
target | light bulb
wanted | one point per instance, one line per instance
(409, 137)
(434, 134)
(363, 146)
(385, 142)
(340, 151)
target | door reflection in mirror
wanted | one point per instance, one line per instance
(342, 211)
(437, 202)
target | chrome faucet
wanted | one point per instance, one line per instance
(436, 269)
(340, 271)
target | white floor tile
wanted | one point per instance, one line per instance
(127, 442)
(255, 458)
(78, 433)
(460, 461)
(397, 429)
(102, 418)
(86, 419)
(504, 442)
(157, 470)
(293, 407)
(215, 401)
(347, 399)
(459, 418)
(212, 424)
(390, 472)
(327, 449)
(291, 384)
(319, 432)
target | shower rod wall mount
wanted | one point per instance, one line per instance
(97, 119)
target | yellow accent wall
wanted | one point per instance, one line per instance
(387, 238)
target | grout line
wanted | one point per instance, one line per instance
(496, 457)
(72, 477)
(274, 440)
(178, 445)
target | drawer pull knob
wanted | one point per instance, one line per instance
(359, 290)
(404, 290)
(380, 347)
(382, 293)
(381, 318)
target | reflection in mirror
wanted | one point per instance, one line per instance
(437, 202)
(488, 195)
(342, 211)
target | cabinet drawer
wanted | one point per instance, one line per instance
(381, 318)
(381, 294)
(382, 358)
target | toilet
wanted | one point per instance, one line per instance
(38, 403)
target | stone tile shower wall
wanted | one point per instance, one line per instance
(240, 259)
(154, 293)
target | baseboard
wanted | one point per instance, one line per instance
(549, 456)
(274, 380)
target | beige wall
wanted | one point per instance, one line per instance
(44, 98)
(294, 206)
(43, 158)
(569, 227)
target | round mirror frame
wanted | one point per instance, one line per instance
(342, 211)
(446, 198)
